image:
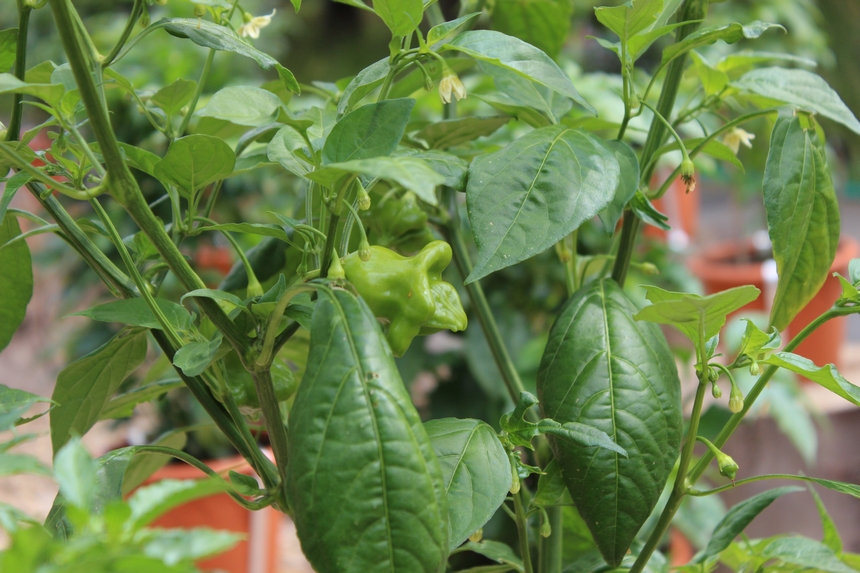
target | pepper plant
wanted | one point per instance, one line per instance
(383, 171)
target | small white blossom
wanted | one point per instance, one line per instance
(736, 137)
(451, 84)
(252, 27)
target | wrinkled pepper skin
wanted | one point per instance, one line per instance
(408, 293)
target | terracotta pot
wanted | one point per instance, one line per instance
(219, 259)
(680, 549)
(718, 270)
(681, 207)
(258, 553)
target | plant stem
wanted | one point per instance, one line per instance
(274, 425)
(204, 75)
(550, 556)
(136, 11)
(728, 486)
(14, 130)
(523, 532)
(331, 231)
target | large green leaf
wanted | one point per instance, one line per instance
(802, 216)
(453, 169)
(700, 318)
(628, 183)
(401, 16)
(363, 481)
(737, 519)
(85, 386)
(542, 23)
(729, 34)
(603, 369)
(549, 103)
(14, 403)
(16, 279)
(528, 196)
(243, 105)
(194, 161)
(135, 312)
(171, 98)
(476, 472)
(410, 172)
(373, 130)
(801, 88)
(452, 132)
(512, 53)
(630, 18)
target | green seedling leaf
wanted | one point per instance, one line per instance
(699, 318)
(195, 357)
(172, 98)
(14, 464)
(603, 369)
(496, 551)
(445, 29)
(344, 479)
(524, 59)
(729, 34)
(826, 376)
(48, 92)
(373, 130)
(135, 312)
(542, 23)
(122, 406)
(806, 553)
(800, 88)
(528, 196)
(195, 161)
(628, 183)
(475, 471)
(75, 473)
(243, 105)
(173, 546)
(154, 500)
(85, 386)
(14, 403)
(737, 519)
(639, 43)
(401, 16)
(410, 172)
(453, 132)
(802, 216)
(16, 279)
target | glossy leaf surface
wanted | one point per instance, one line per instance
(16, 279)
(85, 386)
(802, 216)
(475, 470)
(524, 198)
(363, 479)
(826, 376)
(603, 369)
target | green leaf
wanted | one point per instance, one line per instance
(243, 105)
(551, 486)
(122, 406)
(135, 312)
(362, 84)
(495, 550)
(154, 500)
(581, 435)
(412, 173)
(445, 29)
(12, 185)
(713, 80)
(528, 196)
(401, 16)
(16, 280)
(802, 216)
(213, 294)
(730, 34)
(172, 546)
(281, 149)
(453, 132)
(75, 473)
(849, 291)
(854, 271)
(801, 88)
(603, 369)
(11, 516)
(14, 403)
(639, 43)
(737, 519)
(195, 357)
(754, 341)
(699, 318)
(542, 23)
(373, 130)
(826, 376)
(739, 62)
(524, 59)
(645, 210)
(524, 113)
(85, 386)
(286, 76)
(475, 470)
(194, 161)
(173, 97)
(49, 93)
(807, 553)
(8, 47)
(549, 103)
(365, 485)
(141, 465)
(628, 183)
(831, 538)
(14, 464)
(140, 159)
(629, 18)
(452, 168)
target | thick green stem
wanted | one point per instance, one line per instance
(550, 557)
(523, 532)
(274, 425)
(14, 129)
(629, 230)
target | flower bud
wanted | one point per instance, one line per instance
(736, 399)
(335, 269)
(364, 250)
(363, 198)
(199, 10)
(545, 527)
(688, 170)
(728, 466)
(754, 368)
(143, 22)
(451, 84)
(477, 536)
(715, 391)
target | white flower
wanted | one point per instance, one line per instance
(449, 84)
(736, 137)
(252, 26)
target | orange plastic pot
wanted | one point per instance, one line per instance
(718, 269)
(258, 553)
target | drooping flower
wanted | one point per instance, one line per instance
(736, 137)
(253, 24)
(451, 84)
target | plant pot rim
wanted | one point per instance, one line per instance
(714, 263)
